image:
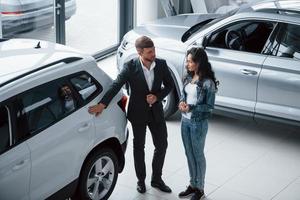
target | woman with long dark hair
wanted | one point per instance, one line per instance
(196, 104)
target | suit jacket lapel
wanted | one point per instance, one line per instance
(141, 74)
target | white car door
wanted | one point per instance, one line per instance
(62, 135)
(14, 162)
(58, 153)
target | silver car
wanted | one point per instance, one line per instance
(26, 15)
(254, 51)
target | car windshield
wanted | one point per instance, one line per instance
(203, 25)
(207, 23)
(191, 31)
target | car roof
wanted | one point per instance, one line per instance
(19, 57)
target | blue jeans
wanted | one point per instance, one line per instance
(193, 137)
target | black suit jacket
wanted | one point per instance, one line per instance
(138, 108)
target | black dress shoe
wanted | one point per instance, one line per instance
(188, 192)
(141, 187)
(161, 186)
(198, 195)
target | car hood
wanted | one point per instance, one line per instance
(171, 28)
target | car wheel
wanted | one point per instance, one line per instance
(169, 104)
(99, 175)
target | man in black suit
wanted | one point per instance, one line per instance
(145, 76)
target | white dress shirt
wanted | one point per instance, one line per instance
(149, 74)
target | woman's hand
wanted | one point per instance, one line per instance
(180, 106)
(183, 107)
(186, 108)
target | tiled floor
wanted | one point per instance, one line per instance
(245, 161)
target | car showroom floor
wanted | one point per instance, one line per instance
(245, 160)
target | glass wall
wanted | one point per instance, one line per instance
(95, 26)
(90, 26)
(28, 19)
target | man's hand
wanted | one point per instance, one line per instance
(97, 109)
(151, 99)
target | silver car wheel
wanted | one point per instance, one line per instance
(100, 178)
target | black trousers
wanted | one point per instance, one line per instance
(159, 136)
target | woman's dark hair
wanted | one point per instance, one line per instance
(199, 56)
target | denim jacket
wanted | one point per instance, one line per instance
(206, 92)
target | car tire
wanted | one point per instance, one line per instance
(99, 171)
(170, 104)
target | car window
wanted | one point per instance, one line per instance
(248, 36)
(85, 85)
(42, 106)
(287, 43)
(4, 129)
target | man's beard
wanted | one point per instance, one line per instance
(150, 60)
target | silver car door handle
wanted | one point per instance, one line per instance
(85, 127)
(19, 165)
(248, 72)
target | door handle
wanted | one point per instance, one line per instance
(19, 165)
(58, 6)
(248, 72)
(85, 127)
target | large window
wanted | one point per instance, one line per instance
(92, 26)
(95, 26)
(27, 19)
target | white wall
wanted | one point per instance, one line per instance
(149, 10)
(219, 6)
(199, 6)
(146, 10)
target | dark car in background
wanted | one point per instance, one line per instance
(25, 15)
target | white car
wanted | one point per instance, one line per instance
(50, 146)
